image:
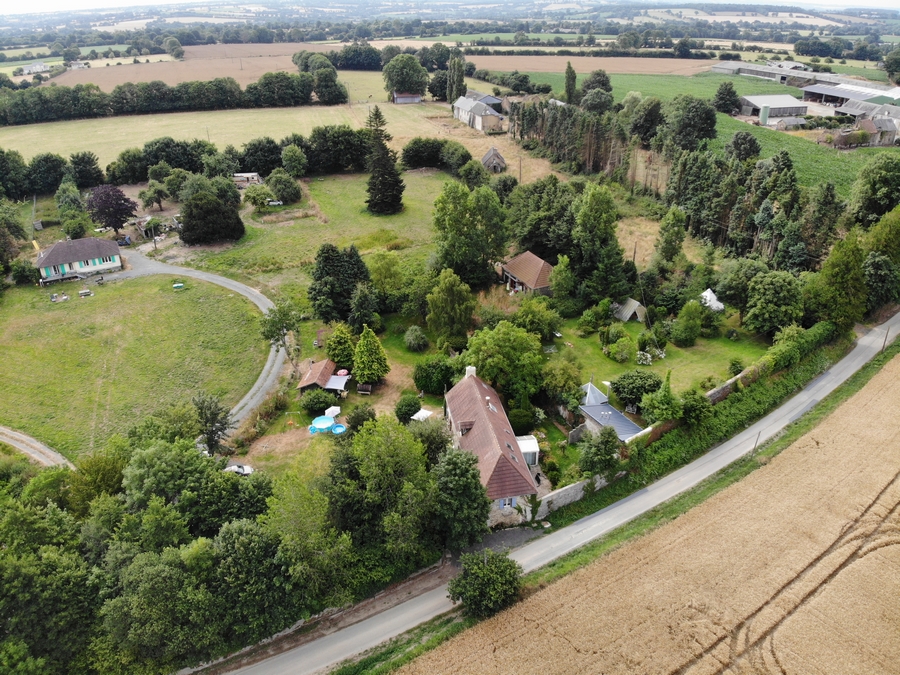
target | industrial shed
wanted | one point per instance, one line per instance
(779, 105)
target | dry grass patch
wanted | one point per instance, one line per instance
(586, 64)
(792, 570)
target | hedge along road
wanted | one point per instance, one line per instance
(141, 266)
(330, 649)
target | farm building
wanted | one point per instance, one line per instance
(630, 310)
(401, 98)
(487, 99)
(779, 105)
(79, 65)
(321, 374)
(598, 413)
(477, 115)
(242, 180)
(881, 130)
(870, 109)
(788, 123)
(493, 161)
(527, 272)
(36, 67)
(78, 258)
(479, 425)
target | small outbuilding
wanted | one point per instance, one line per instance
(493, 161)
(630, 310)
(78, 258)
(779, 105)
(242, 180)
(477, 115)
(790, 123)
(321, 374)
(598, 413)
(402, 98)
(527, 272)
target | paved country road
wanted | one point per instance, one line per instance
(329, 650)
(142, 266)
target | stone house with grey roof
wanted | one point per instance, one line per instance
(78, 258)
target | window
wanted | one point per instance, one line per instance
(105, 259)
(85, 263)
(508, 502)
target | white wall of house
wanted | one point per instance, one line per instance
(92, 266)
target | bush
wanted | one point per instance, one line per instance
(521, 421)
(406, 407)
(488, 583)
(434, 375)
(688, 325)
(735, 367)
(696, 408)
(623, 350)
(630, 387)
(415, 339)
(316, 401)
(592, 318)
(357, 417)
(612, 334)
(284, 187)
(421, 152)
(454, 156)
(23, 272)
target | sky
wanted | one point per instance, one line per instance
(34, 6)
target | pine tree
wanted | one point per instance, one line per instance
(671, 234)
(369, 360)
(363, 307)
(385, 187)
(376, 123)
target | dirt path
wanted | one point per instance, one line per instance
(796, 569)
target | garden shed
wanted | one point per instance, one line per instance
(493, 161)
(401, 98)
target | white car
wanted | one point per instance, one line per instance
(239, 469)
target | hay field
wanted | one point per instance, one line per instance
(793, 570)
(587, 64)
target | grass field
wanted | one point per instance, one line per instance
(281, 253)
(813, 163)
(76, 372)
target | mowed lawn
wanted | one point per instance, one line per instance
(689, 365)
(282, 253)
(76, 372)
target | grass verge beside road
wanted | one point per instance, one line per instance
(76, 372)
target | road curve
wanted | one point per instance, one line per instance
(340, 645)
(142, 266)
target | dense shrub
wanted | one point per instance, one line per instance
(284, 187)
(422, 152)
(316, 401)
(406, 407)
(454, 156)
(631, 387)
(521, 421)
(623, 350)
(434, 375)
(415, 339)
(488, 583)
(23, 272)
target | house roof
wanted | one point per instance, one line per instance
(885, 124)
(530, 270)
(482, 428)
(406, 94)
(629, 308)
(596, 406)
(491, 154)
(475, 107)
(78, 249)
(774, 101)
(867, 125)
(319, 373)
(487, 99)
(792, 121)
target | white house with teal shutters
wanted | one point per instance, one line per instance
(78, 258)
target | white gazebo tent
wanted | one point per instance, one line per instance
(709, 299)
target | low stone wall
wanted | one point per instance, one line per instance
(562, 497)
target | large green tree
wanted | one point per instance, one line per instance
(404, 74)
(876, 190)
(280, 326)
(461, 503)
(206, 219)
(892, 66)
(456, 83)
(450, 306)
(369, 360)
(734, 282)
(726, 98)
(341, 345)
(774, 301)
(508, 357)
(385, 186)
(597, 259)
(671, 234)
(844, 283)
(570, 84)
(471, 235)
(690, 120)
(334, 278)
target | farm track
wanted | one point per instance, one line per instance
(141, 266)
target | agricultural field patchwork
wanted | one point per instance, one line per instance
(76, 372)
(792, 570)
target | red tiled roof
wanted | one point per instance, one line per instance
(530, 270)
(474, 404)
(318, 373)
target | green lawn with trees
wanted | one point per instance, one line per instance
(77, 372)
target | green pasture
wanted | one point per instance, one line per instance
(813, 163)
(282, 253)
(107, 137)
(76, 372)
(689, 365)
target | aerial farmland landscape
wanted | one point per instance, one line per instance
(379, 337)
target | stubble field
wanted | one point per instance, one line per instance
(796, 569)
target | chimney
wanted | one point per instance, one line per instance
(470, 371)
